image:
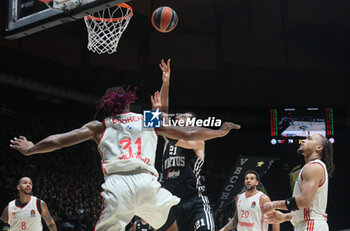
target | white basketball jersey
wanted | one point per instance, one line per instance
(26, 218)
(126, 145)
(317, 208)
(250, 217)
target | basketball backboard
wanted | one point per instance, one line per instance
(25, 17)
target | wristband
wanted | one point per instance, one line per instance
(291, 204)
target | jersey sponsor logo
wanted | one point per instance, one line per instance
(127, 120)
(14, 215)
(253, 204)
(246, 224)
(174, 161)
(32, 213)
(173, 174)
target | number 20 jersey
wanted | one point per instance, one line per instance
(126, 146)
(250, 217)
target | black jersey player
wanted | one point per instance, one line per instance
(182, 163)
(141, 225)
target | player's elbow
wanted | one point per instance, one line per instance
(55, 141)
(189, 136)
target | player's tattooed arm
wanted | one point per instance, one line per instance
(5, 215)
(288, 216)
(47, 217)
(91, 130)
(232, 224)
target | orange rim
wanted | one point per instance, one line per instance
(123, 5)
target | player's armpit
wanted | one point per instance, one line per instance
(47, 217)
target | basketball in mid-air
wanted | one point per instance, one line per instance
(164, 19)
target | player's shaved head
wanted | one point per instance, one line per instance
(23, 178)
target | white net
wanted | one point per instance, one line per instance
(106, 27)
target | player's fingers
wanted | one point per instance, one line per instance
(14, 146)
(236, 126)
(17, 142)
(22, 137)
(168, 63)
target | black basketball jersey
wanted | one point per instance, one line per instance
(181, 171)
(142, 227)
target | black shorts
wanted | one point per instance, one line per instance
(194, 214)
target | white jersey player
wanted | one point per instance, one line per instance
(309, 201)
(248, 214)
(317, 209)
(25, 212)
(128, 153)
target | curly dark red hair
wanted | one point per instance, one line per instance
(115, 100)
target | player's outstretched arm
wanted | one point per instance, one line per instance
(45, 213)
(91, 130)
(5, 215)
(313, 176)
(164, 91)
(194, 134)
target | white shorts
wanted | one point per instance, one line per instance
(125, 196)
(312, 225)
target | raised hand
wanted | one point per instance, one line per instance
(226, 127)
(156, 102)
(165, 67)
(22, 145)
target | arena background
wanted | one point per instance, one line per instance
(236, 58)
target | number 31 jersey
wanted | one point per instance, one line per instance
(126, 146)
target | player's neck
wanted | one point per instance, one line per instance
(311, 157)
(249, 193)
(24, 198)
(126, 110)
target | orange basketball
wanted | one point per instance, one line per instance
(164, 19)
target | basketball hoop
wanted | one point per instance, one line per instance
(106, 27)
